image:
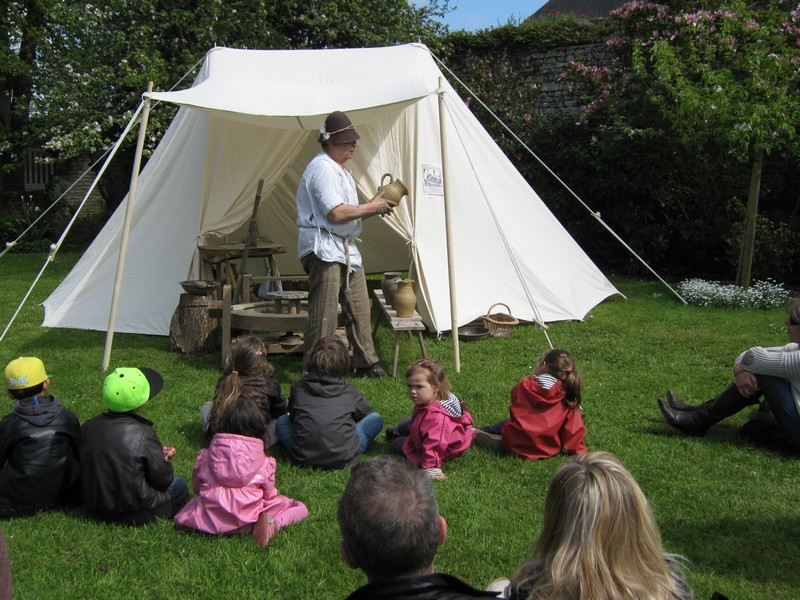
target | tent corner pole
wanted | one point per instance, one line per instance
(451, 275)
(126, 227)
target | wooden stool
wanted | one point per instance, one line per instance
(399, 324)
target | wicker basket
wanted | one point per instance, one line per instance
(499, 324)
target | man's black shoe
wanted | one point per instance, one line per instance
(375, 370)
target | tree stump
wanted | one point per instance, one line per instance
(192, 330)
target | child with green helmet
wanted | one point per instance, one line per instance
(127, 476)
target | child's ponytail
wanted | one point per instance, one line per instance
(561, 366)
(229, 390)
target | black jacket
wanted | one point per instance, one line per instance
(324, 411)
(437, 586)
(124, 475)
(39, 450)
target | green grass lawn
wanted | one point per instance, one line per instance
(729, 508)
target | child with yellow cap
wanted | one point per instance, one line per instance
(126, 475)
(39, 441)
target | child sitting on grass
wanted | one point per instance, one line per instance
(39, 444)
(248, 372)
(545, 414)
(439, 428)
(330, 424)
(126, 476)
(234, 481)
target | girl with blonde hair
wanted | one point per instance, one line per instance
(599, 540)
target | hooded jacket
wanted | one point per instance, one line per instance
(436, 435)
(124, 476)
(539, 425)
(39, 456)
(234, 482)
(324, 411)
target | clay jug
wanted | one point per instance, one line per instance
(394, 190)
(389, 285)
(405, 300)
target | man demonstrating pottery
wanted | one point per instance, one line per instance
(329, 217)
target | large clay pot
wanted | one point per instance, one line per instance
(394, 190)
(389, 285)
(405, 300)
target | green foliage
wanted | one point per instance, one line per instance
(534, 34)
(96, 58)
(654, 148)
(20, 219)
(710, 495)
(725, 73)
(775, 244)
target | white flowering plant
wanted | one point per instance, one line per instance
(761, 295)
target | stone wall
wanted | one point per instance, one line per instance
(92, 212)
(544, 68)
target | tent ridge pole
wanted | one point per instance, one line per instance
(126, 228)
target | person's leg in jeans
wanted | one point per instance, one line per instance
(778, 394)
(368, 429)
(284, 429)
(180, 493)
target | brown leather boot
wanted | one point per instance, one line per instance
(697, 422)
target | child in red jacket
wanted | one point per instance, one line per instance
(545, 415)
(440, 427)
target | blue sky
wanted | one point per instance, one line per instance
(482, 14)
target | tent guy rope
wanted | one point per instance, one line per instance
(595, 214)
(55, 247)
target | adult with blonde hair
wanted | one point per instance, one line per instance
(773, 372)
(599, 539)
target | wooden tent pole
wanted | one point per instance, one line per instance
(126, 227)
(451, 273)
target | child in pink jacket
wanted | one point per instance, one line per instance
(439, 427)
(234, 481)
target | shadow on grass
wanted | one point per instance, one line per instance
(741, 546)
(721, 433)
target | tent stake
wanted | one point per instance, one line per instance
(126, 228)
(451, 274)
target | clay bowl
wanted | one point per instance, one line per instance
(470, 333)
(199, 287)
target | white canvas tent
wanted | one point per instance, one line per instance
(255, 114)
